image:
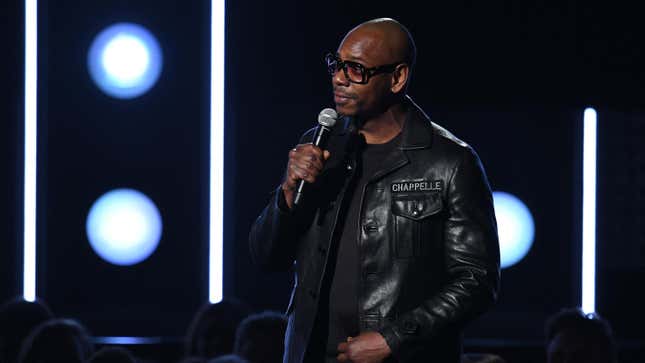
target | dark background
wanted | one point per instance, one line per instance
(510, 78)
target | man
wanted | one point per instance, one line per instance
(395, 245)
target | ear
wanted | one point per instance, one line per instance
(400, 77)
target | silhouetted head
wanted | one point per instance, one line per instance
(481, 358)
(228, 358)
(18, 318)
(373, 67)
(112, 355)
(57, 340)
(260, 337)
(575, 337)
(212, 331)
(192, 360)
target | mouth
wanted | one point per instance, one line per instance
(341, 98)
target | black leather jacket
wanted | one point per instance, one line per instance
(427, 243)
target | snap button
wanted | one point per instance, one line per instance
(322, 250)
(371, 276)
(370, 227)
(410, 326)
(415, 212)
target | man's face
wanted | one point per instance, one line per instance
(362, 100)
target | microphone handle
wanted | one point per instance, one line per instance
(320, 139)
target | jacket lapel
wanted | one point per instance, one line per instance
(392, 162)
(416, 134)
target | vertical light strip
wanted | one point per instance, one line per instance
(29, 201)
(216, 218)
(589, 212)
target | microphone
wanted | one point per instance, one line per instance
(326, 120)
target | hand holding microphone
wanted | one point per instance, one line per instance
(306, 161)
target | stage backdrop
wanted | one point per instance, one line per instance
(92, 143)
(510, 79)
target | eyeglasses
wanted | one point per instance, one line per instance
(354, 71)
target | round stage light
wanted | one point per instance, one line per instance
(124, 227)
(515, 227)
(125, 60)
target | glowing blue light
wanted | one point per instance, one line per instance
(590, 118)
(216, 190)
(127, 340)
(125, 60)
(515, 228)
(31, 142)
(124, 227)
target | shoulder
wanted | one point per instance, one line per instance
(454, 155)
(443, 148)
(446, 138)
(450, 145)
(462, 157)
(424, 131)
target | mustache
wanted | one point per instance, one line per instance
(344, 94)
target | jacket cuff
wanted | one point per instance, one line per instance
(281, 202)
(393, 340)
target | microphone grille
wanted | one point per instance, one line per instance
(327, 117)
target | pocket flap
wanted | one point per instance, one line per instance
(417, 207)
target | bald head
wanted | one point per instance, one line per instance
(379, 55)
(389, 38)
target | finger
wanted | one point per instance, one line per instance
(309, 165)
(326, 154)
(307, 156)
(342, 357)
(293, 173)
(293, 152)
(311, 149)
(301, 173)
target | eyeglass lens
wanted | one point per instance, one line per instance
(353, 71)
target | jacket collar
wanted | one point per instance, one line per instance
(417, 130)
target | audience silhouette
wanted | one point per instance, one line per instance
(112, 354)
(482, 358)
(17, 319)
(575, 337)
(260, 337)
(228, 358)
(212, 330)
(228, 332)
(57, 340)
(192, 360)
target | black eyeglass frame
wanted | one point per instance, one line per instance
(366, 73)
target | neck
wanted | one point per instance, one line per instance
(385, 126)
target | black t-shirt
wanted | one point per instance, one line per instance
(342, 311)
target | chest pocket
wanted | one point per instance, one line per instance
(417, 223)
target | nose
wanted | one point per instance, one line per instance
(339, 78)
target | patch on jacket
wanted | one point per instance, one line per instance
(417, 186)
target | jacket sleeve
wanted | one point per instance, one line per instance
(275, 233)
(272, 240)
(471, 260)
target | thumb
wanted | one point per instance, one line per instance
(326, 155)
